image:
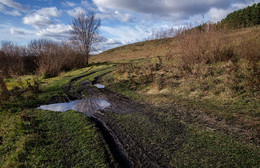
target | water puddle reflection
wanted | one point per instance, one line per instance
(87, 106)
(99, 86)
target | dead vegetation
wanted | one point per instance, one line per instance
(214, 71)
(203, 61)
(41, 58)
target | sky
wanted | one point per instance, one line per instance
(122, 21)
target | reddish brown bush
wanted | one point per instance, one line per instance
(54, 57)
(10, 60)
(204, 48)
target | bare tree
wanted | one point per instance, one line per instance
(84, 32)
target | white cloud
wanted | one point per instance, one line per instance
(85, 3)
(112, 41)
(2, 7)
(9, 12)
(15, 5)
(107, 43)
(69, 4)
(217, 14)
(74, 12)
(166, 9)
(123, 17)
(21, 32)
(42, 17)
(37, 20)
(50, 12)
(13, 13)
(56, 32)
(17, 35)
(126, 34)
(15, 31)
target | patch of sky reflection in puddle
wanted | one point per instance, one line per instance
(99, 86)
(87, 106)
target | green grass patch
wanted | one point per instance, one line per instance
(157, 131)
(210, 149)
(98, 73)
(37, 138)
(179, 145)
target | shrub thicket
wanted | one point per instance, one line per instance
(42, 56)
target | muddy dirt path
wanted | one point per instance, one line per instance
(128, 151)
(181, 113)
(125, 150)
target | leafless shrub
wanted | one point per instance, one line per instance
(71, 57)
(50, 59)
(54, 57)
(11, 63)
(205, 48)
(250, 50)
(197, 50)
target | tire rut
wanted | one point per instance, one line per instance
(125, 150)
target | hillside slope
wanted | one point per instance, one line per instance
(146, 49)
(163, 47)
(214, 72)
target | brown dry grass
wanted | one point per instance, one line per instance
(164, 47)
(147, 49)
(220, 65)
(217, 72)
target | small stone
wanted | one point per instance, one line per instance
(250, 138)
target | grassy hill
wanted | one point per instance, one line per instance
(216, 72)
(147, 49)
(164, 47)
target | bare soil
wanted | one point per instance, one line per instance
(131, 151)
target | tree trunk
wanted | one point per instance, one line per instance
(87, 56)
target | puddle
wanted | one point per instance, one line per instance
(99, 86)
(87, 106)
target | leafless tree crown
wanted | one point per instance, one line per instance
(84, 32)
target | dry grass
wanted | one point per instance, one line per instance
(217, 72)
(147, 49)
(216, 64)
(164, 47)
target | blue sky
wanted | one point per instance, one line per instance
(123, 21)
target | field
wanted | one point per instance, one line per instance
(170, 107)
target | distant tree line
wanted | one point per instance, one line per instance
(247, 17)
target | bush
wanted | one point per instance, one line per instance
(206, 48)
(54, 57)
(11, 63)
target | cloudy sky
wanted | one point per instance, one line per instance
(123, 21)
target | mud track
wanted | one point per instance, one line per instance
(128, 151)
(125, 150)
